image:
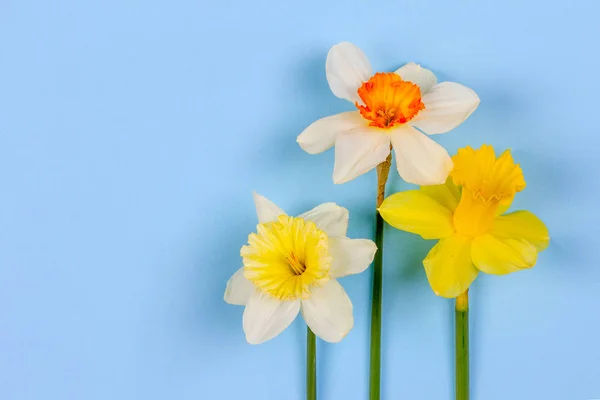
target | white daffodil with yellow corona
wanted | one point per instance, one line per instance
(466, 215)
(291, 265)
(394, 108)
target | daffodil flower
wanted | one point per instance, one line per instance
(392, 110)
(465, 214)
(291, 265)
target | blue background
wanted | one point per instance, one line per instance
(132, 134)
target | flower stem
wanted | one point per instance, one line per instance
(462, 346)
(311, 365)
(383, 170)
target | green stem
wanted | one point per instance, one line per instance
(375, 351)
(311, 365)
(462, 346)
(375, 372)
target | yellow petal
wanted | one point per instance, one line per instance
(522, 225)
(449, 268)
(502, 255)
(413, 211)
(447, 194)
(504, 205)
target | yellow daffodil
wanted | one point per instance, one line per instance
(465, 213)
(390, 105)
(291, 265)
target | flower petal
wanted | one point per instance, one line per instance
(447, 105)
(239, 289)
(347, 67)
(502, 255)
(265, 317)
(522, 225)
(328, 312)
(359, 151)
(449, 268)
(414, 211)
(447, 194)
(350, 256)
(422, 77)
(266, 210)
(329, 217)
(321, 134)
(505, 204)
(419, 159)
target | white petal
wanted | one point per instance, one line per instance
(350, 256)
(266, 317)
(359, 151)
(447, 106)
(422, 77)
(419, 159)
(266, 210)
(239, 289)
(321, 134)
(328, 312)
(347, 67)
(329, 217)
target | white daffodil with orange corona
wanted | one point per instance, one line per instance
(291, 265)
(393, 109)
(466, 215)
